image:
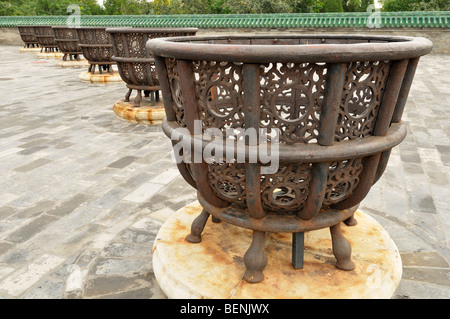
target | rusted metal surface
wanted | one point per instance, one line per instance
(28, 36)
(96, 46)
(136, 66)
(335, 102)
(67, 40)
(46, 38)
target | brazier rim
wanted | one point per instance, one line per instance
(149, 30)
(186, 48)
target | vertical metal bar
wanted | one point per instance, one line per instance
(331, 102)
(251, 88)
(200, 170)
(391, 93)
(298, 244)
(382, 165)
(163, 78)
(126, 49)
(147, 65)
(328, 120)
(404, 91)
(390, 96)
(398, 111)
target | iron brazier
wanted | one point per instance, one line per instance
(333, 103)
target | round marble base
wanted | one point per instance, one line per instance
(214, 268)
(49, 55)
(28, 50)
(83, 63)
(105, 77)
(147, 113)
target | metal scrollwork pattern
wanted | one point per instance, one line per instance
(361, 100)
(291, 100)
(286, 190)
(343, 177)
(175, 90)
(219, 92)
(228, 182)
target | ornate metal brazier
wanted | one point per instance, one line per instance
(136, 66)
(28, 36)
(46, 38)
(333, 103)
(67, 40)
(96, 46)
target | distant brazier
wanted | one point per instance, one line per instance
(137, 69)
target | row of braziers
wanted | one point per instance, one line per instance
(104, 47)
(327, 108)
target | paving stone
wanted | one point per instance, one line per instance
(70, 205)
(36, 210)
(32, 228)
(421, 202)
(5, 246)
(123, 162)
(412, 289)
(137, 236)
(431, 275)
(21, 280)
(6, 211)
(35, 164)
(117, 284)
(118, 249)
(424, 258)
(121, 267)
(47, 289)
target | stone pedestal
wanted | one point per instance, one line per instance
(82, 63)
(146, 113)
(49, 55)
(214, 268)
(29, 50)
(105, 77)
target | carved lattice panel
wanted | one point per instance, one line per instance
(361, 100)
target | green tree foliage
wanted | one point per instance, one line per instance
(356, 5)
(416, 5)
(333, 6)
(134, 7)
(47, 7)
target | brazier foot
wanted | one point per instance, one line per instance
(255, 259)
(138, 99)
(351, 221)
(197, 227)
(342, 249)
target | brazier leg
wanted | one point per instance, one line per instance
(215, 220)
(127, 96)
(298, 248)
(342, 249)
(255, 259)
(197, 227)
(138, 99)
